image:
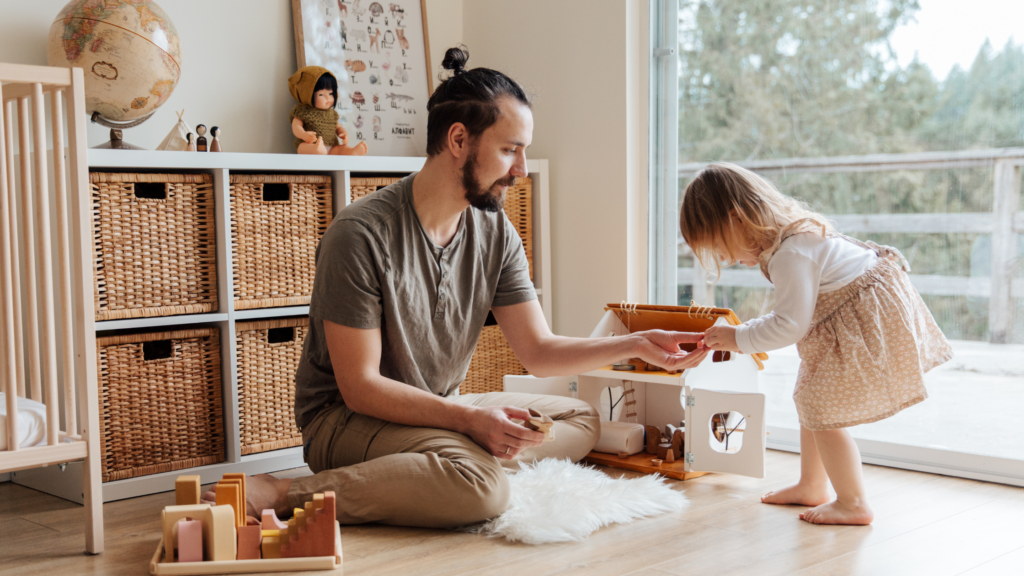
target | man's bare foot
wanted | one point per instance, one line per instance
(262, 492)
(802, 494)
(838, 513)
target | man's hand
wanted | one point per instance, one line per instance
(721, 338)
(661, 348)
(493, 429)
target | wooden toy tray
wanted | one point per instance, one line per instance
(249, 566)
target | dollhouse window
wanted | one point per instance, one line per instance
(726, 432)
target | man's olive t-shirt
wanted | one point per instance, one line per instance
(377, 268)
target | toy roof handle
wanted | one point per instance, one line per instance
(694, 312)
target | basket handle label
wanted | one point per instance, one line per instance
(150, 190)
(277, 192)
(157, 350)
(279, 335)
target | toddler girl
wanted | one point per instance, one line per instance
(864, 335)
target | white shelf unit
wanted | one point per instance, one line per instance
(66, 481)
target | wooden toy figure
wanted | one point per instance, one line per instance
(190, 143)
(215, 144)
(314, 119)
(201, 141)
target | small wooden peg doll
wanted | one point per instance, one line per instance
(190, 144)
(215, 144)
(201, 141)
(314, 120)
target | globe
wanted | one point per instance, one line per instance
(128, 50)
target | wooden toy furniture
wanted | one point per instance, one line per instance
(57, 272)
(717, 401)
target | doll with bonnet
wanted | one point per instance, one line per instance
(314, 119)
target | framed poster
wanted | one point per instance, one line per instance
(380, 54)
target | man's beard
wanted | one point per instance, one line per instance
(493, 198)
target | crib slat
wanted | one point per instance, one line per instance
(64, 268)
(7, 358)
(83, 260)
(48, 336)
(28, 251)
(19, 327)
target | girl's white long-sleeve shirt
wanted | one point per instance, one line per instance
(804, 266)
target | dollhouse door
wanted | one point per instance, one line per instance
(725, 432)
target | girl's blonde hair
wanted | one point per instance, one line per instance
(721, 190)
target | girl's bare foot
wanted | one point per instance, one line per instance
(838, 513)
(262, 492)
(802, 494)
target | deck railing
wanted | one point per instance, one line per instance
(1003, 223)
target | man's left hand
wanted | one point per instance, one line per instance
(661, 348)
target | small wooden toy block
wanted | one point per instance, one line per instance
(653, 434)
(541, 423)
(249, 540)
(270, 521)
(271, 547)
(229, 494)
(187, 491)
(670, 456)
(663, 450)
(218, 530)
(237, 476)
(315, 535)
(190, 541)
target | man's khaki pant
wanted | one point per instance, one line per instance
(409, 476)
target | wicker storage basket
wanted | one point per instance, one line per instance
(160, 396)
(268, 353)
(276, 223)
(518, 205)
(492, 360)
(155, 244)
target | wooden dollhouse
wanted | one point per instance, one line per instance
(716, 405)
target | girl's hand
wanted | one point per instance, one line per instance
(721, 338)
(311, 137)
(342, 134)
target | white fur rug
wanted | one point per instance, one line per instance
(558, 501)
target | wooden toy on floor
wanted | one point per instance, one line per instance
(270, 521)
(218, 530)
(221, 539)
(186, 490)
(229, 493)
(249, 538)
(190, 541)
(313, 534)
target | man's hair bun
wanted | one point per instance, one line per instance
(455, 59)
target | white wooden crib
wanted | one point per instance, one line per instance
(46, 268)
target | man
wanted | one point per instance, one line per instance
(404, 282)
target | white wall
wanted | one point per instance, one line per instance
(578, 57)
(575, 57)
(235, 65)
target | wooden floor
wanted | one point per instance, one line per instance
(925, 524)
